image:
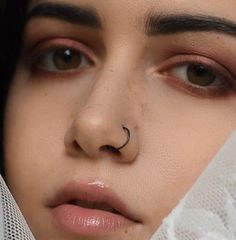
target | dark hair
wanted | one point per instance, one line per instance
(2, 8)
(12, 21)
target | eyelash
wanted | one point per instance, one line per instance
(226, 88)
(47, 50)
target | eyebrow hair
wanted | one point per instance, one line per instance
(74, 14)
(172, 24)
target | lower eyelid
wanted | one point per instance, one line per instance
(198, 91)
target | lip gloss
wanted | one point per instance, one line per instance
(88, 222)
(75, 218)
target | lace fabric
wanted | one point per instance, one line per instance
(12, 223)
(208, 210)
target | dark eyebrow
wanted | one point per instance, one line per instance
(172, 24)
(74, 14)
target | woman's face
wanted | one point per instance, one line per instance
(89, 68)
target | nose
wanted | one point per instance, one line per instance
(104, 126)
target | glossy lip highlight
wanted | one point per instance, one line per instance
(88, 221)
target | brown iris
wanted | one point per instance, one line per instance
(66, 59)
(200, 75)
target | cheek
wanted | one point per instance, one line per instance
(34, 144)
(34, 132)
(183, 133)
(180, 140)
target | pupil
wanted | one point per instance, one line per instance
(201, 71)
(66, 59)
(200, 75)
(68, 55)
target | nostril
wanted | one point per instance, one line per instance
(76, 146)
(110, 149)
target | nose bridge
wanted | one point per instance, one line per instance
(108, 93)
(112, 90)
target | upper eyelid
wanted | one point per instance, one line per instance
(188, 59)
(45, 46)
(48, 51)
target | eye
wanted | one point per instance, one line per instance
(62, 59)
(198, 74)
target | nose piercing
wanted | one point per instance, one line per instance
(117, 149)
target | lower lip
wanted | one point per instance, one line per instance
(88, 222)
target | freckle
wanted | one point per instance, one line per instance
(126, 231)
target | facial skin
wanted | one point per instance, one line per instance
(58, 121)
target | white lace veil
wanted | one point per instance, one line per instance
(207, 212)
(12, 223)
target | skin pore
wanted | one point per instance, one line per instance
(89, 67)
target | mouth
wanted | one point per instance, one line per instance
(90, 210)
(94, 205)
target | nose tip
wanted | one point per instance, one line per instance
(95, 135)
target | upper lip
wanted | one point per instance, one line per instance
(93, 193)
